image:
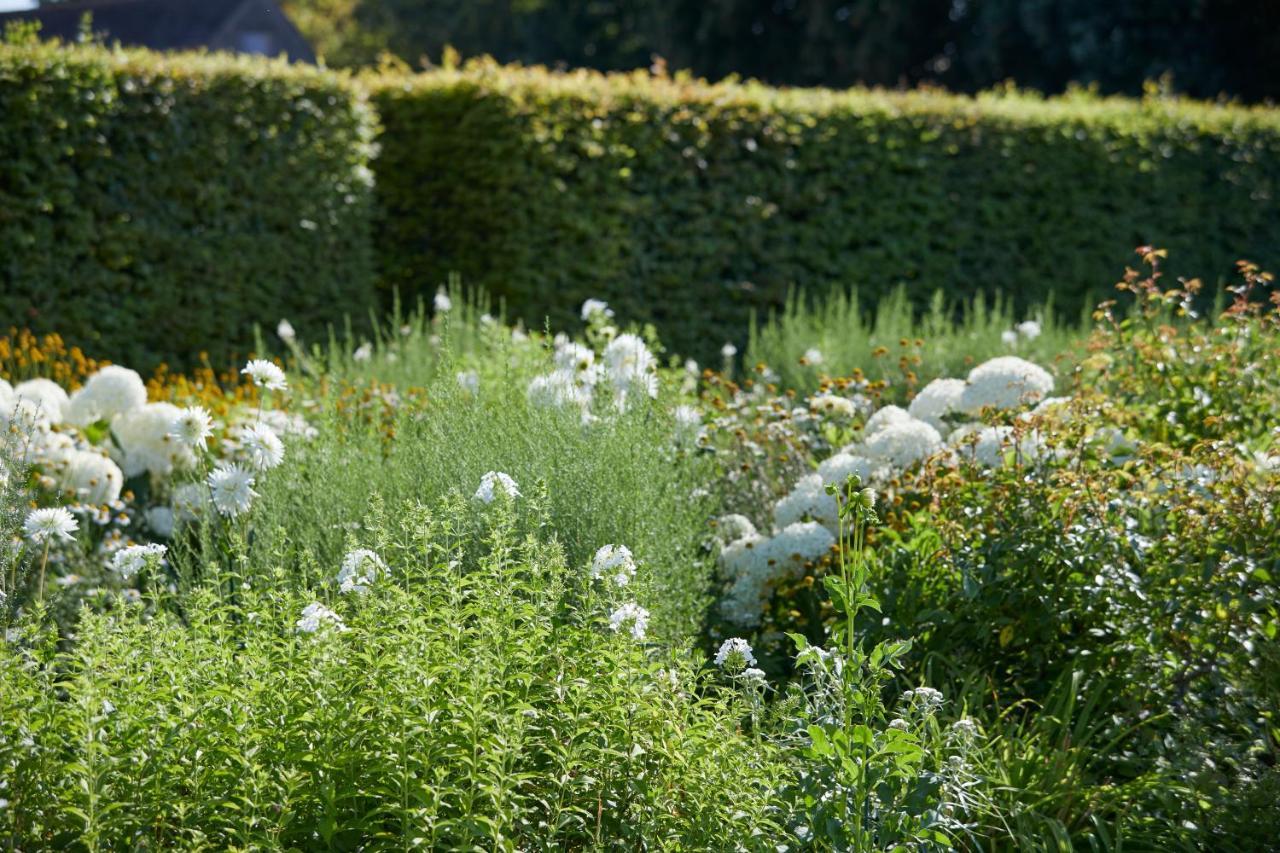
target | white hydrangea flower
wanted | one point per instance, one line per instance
(316, 617)
(360, 568)
(266, 374)
(735, 654)
(92, 476)
(130, 560)
(615, 561)
(903, 443)
(835, 470)
(1005, 382)
(231, 487)
(496, 480)
(882, 418)
(146, 443)
(192, 427)
(808, 499)
(111, 391)
(262, 446)
(46, 394)
(631, 613)
(733, 527)
(57, 522)
(797, 544)
(592, 307)
(744, 556)
(989, 445)
(939, 398)
(25, 417)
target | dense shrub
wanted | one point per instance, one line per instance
(153, 207)
(692, 205)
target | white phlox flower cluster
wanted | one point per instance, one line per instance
(735, 655)
(360, 569)
(630, 614)
(1005, 382)
(130, 560)
(614, 562)
(493, 482)
(316, 617)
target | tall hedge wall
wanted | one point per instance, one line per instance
(691, 204)
(152, 207)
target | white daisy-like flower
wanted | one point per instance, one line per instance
(833, 404)
(469, 381)
(284, 330)
(936, 401)
(360, 569)
(111, 391)
(812, 355)
(266, 374)
(192, 427)
(231, 487)
(1029, 329)
(130, 560)
(1005, 382)
(631, 613)
(50, 523)
(592, 307)
(573, 356)
(615, 561)
(493, 481)
(263, 447)
(317, 617)
(735, 655)
(442, 302)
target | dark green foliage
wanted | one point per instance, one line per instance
(692, 205)
(151, 208)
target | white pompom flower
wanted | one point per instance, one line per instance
(262, 446)
(132, 559)
(231, 488)
(192, 427)
(1005, 382)
(495, 481)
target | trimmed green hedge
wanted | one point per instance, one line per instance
(152, 207)
(690, 204)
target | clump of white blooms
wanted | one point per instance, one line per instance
(46, 395)
(43, 525)
(799, 543)
(469, 380)
(284, 330)
(262, 447)
(1005, 382)
(111, 391)
(735, 655)
(559, 388)
(809, 499)
(734, 526)
(574, 356)
(728, 351)
(442, 303)
(631, 368)
(146, 440)
(192, 427)
(266, 374)
(989, 445)
(360, 568)
(687, 418)
(316, 617)
(596, 307)
(1029, 329)
(364, 352)
(754, 562)
(614, 561)
(833, 404)
(231, 488)
(812, 355)
(883, 418)
(936, 401)
(495, 480)
(633, 614)
(903, 443)
(836, 470)
(130, 560)
(91, 476)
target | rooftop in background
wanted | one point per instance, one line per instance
(237, 26)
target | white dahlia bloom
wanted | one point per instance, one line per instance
(262, 446)
(192, 427)
(266, 374)
(809, 499)
(493, 482)
(735, 655)
(231, 488)
(130, 560)
(48, 395)
(57, 522)
(882, 418)
(360, 568)
(631, 613)
(92, 476)
(573, 356)
(615, 561)
(316, 617)
(144, 438)
(903, 443)
(939, 398)
(1005, 382)
(111, 391)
